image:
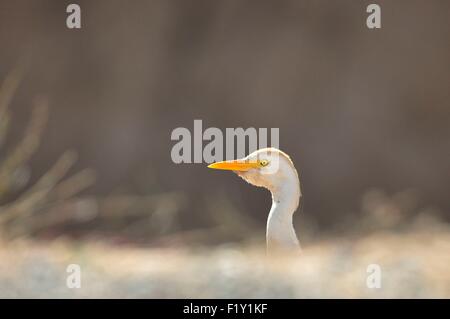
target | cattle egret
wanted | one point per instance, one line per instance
(272, 169)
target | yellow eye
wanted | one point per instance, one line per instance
(263, 163)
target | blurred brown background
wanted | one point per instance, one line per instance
(357, 109)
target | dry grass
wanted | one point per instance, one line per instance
(18, 216)
(414, 265)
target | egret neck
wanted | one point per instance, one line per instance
(280, 232)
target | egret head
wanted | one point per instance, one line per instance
(268, 167)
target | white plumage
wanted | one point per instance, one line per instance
(272, 169)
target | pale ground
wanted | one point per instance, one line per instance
(414, 264)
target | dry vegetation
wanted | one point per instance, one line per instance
(18, 216)
(53, 202)
(414, 265)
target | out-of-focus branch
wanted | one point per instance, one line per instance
(50, 188)
(26, 147)
(75, 184)
(31, 200)
(9, 87)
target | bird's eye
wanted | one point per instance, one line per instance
(264, 163)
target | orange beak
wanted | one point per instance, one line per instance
(234, 165)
